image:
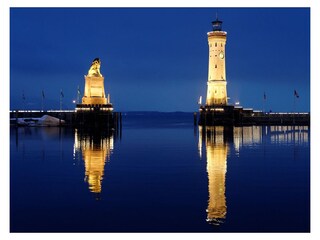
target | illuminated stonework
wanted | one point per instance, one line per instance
(94, 93)
(94, 70)
(217, 84)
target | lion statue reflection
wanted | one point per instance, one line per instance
(95, 68)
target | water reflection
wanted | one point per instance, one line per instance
(217, 148)
(34, 140)
(289, 134)
(253, 135)
(219, 141)
(95, 149)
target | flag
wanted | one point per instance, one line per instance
(200, 100)
(296, 94)
(61, 93)
(264, 96)
(79, 90)
(42, 94)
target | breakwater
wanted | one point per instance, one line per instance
(238, 116)
(92, 117)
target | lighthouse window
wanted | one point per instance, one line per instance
(215, 44)
(221, 44)
(215, 65)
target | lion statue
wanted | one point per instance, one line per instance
(95, 68)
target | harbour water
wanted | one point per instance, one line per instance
(160, 174)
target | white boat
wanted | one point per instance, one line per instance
(44, 121)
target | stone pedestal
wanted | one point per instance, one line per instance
(94, 93)
(95, 112)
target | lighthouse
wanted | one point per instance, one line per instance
(216, 110)
(217, 84)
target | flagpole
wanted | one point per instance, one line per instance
(294, 105)
(295, 95)
(60, 107)
(78, 95)
(42, 102)
(24, 101)
(263, 106)
(60, 100)
(264, 102)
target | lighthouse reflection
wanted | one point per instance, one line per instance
(216, 142)
(219, 142)
(95, 149)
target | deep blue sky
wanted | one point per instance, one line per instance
(157, 58)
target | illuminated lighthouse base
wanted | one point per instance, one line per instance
(217, 115)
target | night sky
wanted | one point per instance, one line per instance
(156, 59)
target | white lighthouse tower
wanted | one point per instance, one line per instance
(217, 84)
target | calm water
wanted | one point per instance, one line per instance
(160, 174)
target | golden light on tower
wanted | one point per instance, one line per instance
(217, 84)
